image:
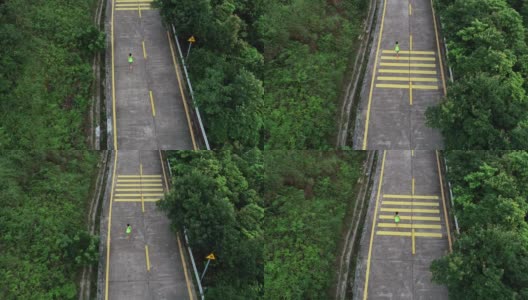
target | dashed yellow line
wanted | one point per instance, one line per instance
(374, 226)
(147, 256)
(413, 234)
(410, 9)
(152, 104)
(144, 50)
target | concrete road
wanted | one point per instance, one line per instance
(150, 264)
(398, 89)
(145, 102)
(394, 260)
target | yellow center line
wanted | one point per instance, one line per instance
(413, 242)
(182, 93)
(184, 267)
(444, 202)
(410, 9)
(144, 50)
(412, 152)
(152, 104)
(113, 90)
(413, 186)
(373, 225)
(109, 226)
(147, 256)
(372, 81)
(438, 48)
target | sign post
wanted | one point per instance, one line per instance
(209, 258)
(191, 40)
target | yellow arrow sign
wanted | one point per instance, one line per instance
(191, 39)
(211, 256)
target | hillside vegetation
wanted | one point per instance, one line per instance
(45, 72)
(43, 237)
(490, 257)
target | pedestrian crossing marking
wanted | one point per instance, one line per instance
(408, 233)
(406, 86)
(422, 79)
(135, 188)
(408, 58)
(139, 180)
(140, 194)
(419, 65)
(416, 210)
(143, 184)
(138, 176)
(137, 200)
(409, 52)
(410, 203)
(416, 226)
(432, 197)
(414, 218)
(139, 190)
(407, 71)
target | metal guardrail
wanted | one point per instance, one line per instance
(451, 197)
(446, 51)
(196, 112)
(189, 250)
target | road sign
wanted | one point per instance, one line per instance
(191, 39)
(211, 256)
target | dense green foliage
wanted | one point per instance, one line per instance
(487, 106)
(490, 257)
(225, 66)
(306, 196)
(308, 45)
(216, 196)
(45, 72)
(43, 237)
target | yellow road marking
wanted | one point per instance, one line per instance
(140, 194)
(144, 50)
(408, 233)
(139, 180)
(152, 104)
(417, 218)
(132, 8)
(182, 93)
(407, 71)
(413, 185)
(134, 1)
(374, 224)
(386, 64)
(372, 82)
(443, 201)
(143, 184)
(416, 210)
(140, 189)
(410, 48)
(405, 86)
(413, 242)
(109, 226)
(410, 203)
(113, 92)
(409, 52)
(408, 58)
(184, 267)
(417, 226)
(137, 200)
(422, 79)
(410, 9)
(438, 48)
(138, 176)
(410, 92)
(133, 5)
(410, 196)
(147, 256)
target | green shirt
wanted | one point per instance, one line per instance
(129, 229)
(130, 59)
(397, 48)
(397, 219)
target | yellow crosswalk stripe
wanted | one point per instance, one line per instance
(406, 86)
(137, 200)
(139, 180)
(414, 218)
(139, 190)
(409, 58)
(407, 71)
(432, 197)
(409, 203)
(137, 185)
(391, 78)
(416, 210)
(416, 226)
(386, 64)
(138, 176)
(408, 233)
(409, 52)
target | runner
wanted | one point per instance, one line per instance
(131, 61)
(397, 50)
(128, 231)
(396, 219)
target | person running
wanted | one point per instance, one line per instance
(396, 219)
(397, 50)
(128, 231)
(130, 61)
